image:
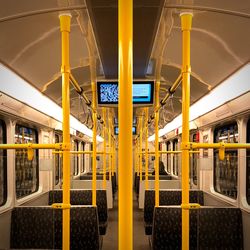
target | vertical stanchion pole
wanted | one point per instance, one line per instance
(94, 117)
(65, 70)
(146, 148)
(140, 149)
(125, 109)
(113, 159)
(104, 183)
(157, 184)
(186, 22)
(110, 148)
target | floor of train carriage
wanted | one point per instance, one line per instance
(110, 240)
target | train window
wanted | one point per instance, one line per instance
(82, 158)
(193, 159)
(248, 165)
(58, 166)
(3, 165)
(168, 157)
(91, 157)
(75, 164)
(175, 157)
(27, 172)
(226, 171)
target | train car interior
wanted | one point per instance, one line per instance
(124, 124)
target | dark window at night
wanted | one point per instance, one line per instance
(248, 165)
(27, 172)
(226, 171)
(175, 157)
(3, 165)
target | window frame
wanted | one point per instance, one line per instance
(82, 166)
(222, 185)
(175, 158)
(76, 158)
(4, 155)
(168, 148)
(25, 161)
(247, 188)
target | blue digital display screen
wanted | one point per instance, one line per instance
(117, 130)
(143, 92)
(108, 93)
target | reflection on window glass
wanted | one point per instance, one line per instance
(226, 171)
(175, 157)
(3, 165)
(82, 158)
(75, 157)
(168, 158)
(193, 161)
(26, 171)
(58, 161)
(91, 157)
(248, 165)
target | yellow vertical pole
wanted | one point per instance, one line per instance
(157, 184)
(186, 22)
(94, 115)
(104, 183)
(125, 109)
(110, 149)
(113, 159)
(65, 70)
(146, 148)
(140, 149)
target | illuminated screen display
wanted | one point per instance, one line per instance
(143, 92)
(117, 130)
(108, 94)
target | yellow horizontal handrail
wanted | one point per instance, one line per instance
(82, 152)
(59, 146)
(194, 145)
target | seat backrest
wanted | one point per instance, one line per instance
(41, 228)
(84, 197)
(210, 228)
(220, 227)
(168, 197)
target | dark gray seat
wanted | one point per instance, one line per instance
(84, 197)
(41, 228)
(166, 197)
(210, 228)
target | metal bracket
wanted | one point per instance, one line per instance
(190, 206)
(62, 146)
(186, 69)
(60, 206)
(222, 151)
(186, 146)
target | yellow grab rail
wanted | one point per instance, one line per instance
(186, 23)
(94, 144)
(65, 70)
(146, 148)
(125, 111)
(140, 147)
(157, 184)
(104, 184)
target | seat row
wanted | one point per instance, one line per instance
(210, 227)
(40, 227)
